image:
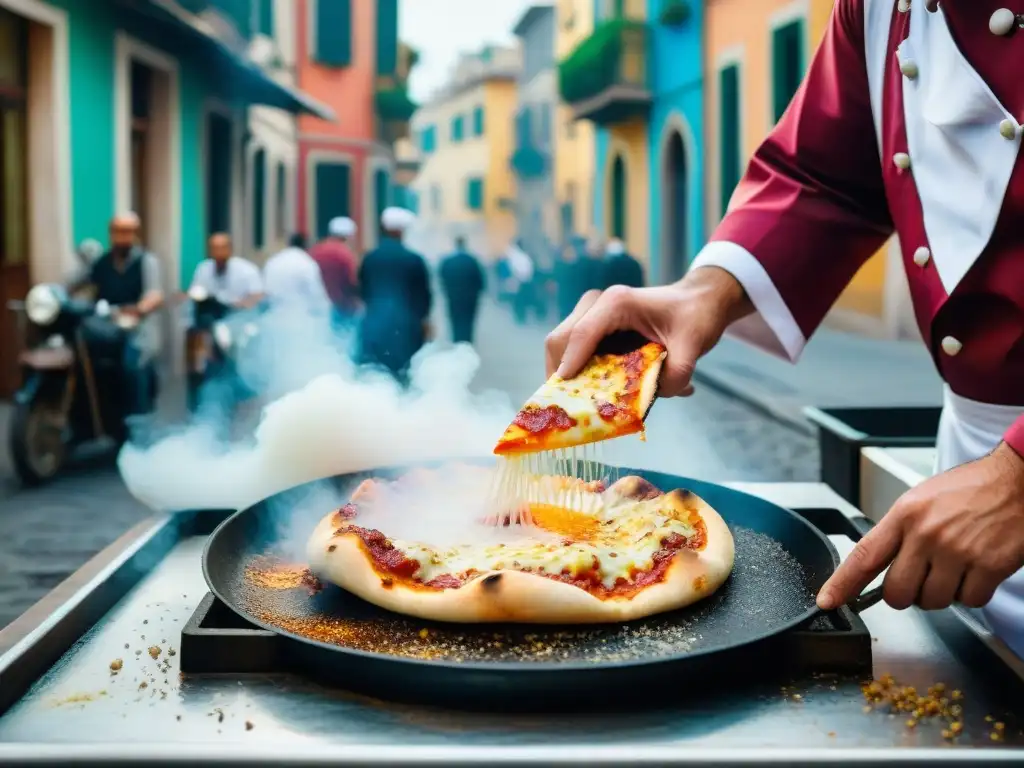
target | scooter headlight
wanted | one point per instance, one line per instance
(42, 305)
(222, 335)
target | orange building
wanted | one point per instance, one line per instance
(349, 57)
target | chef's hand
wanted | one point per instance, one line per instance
(687, 318)
(955, 537)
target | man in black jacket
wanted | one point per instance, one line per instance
(620, 268)
(462, 278)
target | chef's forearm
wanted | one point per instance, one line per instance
(719, 292)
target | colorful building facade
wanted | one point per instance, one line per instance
(109, 106)
(574, 140)
(675, 136)
(465, 135)
(349, 57)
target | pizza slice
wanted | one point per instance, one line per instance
(633, 552)
(609, 398)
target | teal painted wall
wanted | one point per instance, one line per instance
(92, 29)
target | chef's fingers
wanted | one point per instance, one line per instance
(868, 559)
(558, 339)
(609, 313)
(905, 577)
(941, 585)
(978, 585)
(677, 370)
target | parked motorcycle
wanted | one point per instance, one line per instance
(72, 387)
(218, 334)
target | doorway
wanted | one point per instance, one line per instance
(14, 214)
(675, 209)
(219, 169)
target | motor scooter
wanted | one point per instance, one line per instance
(72, 388)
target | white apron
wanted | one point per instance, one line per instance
(967, 431)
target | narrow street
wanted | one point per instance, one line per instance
(46, 533)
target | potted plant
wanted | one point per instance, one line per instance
(674, 13)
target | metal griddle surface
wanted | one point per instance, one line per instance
(767, 584)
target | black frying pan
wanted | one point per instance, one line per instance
(781, 562)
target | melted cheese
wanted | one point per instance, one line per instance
(623, 537)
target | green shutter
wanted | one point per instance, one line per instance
(458, 129)
(282, 200)
(787, 65)
(266, 17)
(259, 198)
(333, 32)
(729, 127)
(478, 121)
(333, 183)
(387, 37)
(619, 198)
(381, 183)
(475, 194)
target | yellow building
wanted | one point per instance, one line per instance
(605, 82)
(574, 140)
(464, 134)
(755, 54)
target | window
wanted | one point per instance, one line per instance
(435, 199)
(142, 97)
(524, 128)
(333, 193)
(282, 201)
(458, 129)
(478, 121)
(729, 131)
(428, 139)
(219, 172)
(332, 27)
(387, 37)
(265, 17)
(787, 64)
(381, 185)
(259, 198)
(475, 194)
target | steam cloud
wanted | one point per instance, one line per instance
(329, 418)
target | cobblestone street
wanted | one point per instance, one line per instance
(48, 532)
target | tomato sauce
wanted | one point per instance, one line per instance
(552, 417)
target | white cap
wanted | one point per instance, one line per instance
(342, 226)
(615, 248)
(397, 219)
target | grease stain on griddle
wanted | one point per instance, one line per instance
(766, 582)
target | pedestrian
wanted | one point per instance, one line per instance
(620, 268)
(463, 281)
(813, 207)
(522, 270)
(293, 282)
(127, 278)
(592, 266)
(395, 286)
(232, 280)
(337, 265)
(569, 277)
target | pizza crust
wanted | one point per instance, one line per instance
(510, 596)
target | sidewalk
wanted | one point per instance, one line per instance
(836, 369)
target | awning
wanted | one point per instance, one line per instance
(256, 85)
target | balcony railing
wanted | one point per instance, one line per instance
(605, 79)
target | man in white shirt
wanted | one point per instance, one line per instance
(522, 268)
(230, 279)
(292, 280)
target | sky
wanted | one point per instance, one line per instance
(441, 29)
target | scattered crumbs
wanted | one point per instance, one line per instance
(138, 653)
(171, 652)
(79, 698)
(126, 645)
(248, 725)
(154, 651)
(145, 621)
(143, 684)
(831, 734)
(178, 718)
(116, 665)
(797, 697)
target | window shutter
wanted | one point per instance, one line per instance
(333, 182)
(478, 121)
(387, 37)
(457, 128)
(266, 17)
(787, 65)
(334, 32)
(729, 128)
(282, 200)
(381, 182)
(475, 194)
(259, 198)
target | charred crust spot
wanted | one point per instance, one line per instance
(686, 494)
(387, 582)
(332, 547)
(700, 583)
(491, 581)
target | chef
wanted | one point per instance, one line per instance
(395, 286)
(908, 122)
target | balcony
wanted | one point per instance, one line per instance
(605, 80)
(394, 110)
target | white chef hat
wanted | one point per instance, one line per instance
(395, 219)
(615, 247)
(342, 226)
